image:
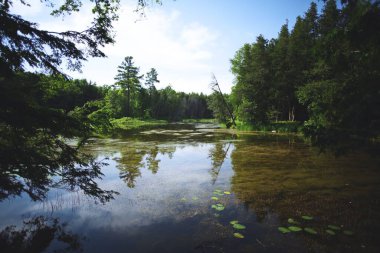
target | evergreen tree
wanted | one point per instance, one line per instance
(128, 80)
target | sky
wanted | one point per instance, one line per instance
(186, 41)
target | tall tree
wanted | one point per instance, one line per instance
(251, 66)
(128, 80)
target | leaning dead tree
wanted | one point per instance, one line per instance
(216, 88)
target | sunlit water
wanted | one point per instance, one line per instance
(167, 177)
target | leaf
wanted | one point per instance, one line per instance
(294, 228)
(214, 198)
(183, 199)
(333, 227)
(233, 222)
(330, 232)
(195, 198)
(218, 207)
(238, 235)
(292, 221)
(306, 217)
(310, 231)
(348, 232)
(238, 226)
(228, 193)
(284, 230)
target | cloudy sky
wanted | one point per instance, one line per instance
(185, 40)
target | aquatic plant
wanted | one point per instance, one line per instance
(310, 231)
(238, 226)
(238, 235)
(284, 230)
(294, 228)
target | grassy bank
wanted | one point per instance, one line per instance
(212, 121)
(278, 127)
(127, 123)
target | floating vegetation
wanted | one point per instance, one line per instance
(333, 227)
(238, 235)
(294, 228)
(214, 198)
(310, 231)
(195, 198)
(238, 226)
(330, 232)
(216, 215)
(284, 230)
(183, 199)
(306, 217)
(218, 207)
(292, 221)
(234, 222)
(226, 192)
(348, 232)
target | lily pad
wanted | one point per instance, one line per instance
(226, 192)
(183, 199)
(284, 230)
(333, 227)
(348, 232)
(234, 222)
(238, 226)
(214, 198)
(294, 228)
(306, 217)
(238, 235)
(310, 231)
(195, 198)
(292, 221)
(330, 232)
(218, 207)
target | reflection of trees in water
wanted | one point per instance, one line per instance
(36, 235)
(68, 169)
(136, 156)
(282, 179)
(218, 154)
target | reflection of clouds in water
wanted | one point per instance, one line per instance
(155, 197)
(168, 171)
(158, 196)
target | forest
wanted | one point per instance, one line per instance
(324, 72)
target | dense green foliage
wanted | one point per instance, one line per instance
(324, 72)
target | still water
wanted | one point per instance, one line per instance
(180, 187)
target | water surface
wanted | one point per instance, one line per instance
(167, 177)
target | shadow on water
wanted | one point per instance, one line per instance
(181, 186)
(37, 235)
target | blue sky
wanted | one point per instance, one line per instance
(185, 40)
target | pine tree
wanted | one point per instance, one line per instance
(128, 80)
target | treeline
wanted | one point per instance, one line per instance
(135, 95)
(97, 107)
(324, 72)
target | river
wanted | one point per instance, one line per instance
(182, 186)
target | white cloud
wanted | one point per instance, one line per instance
(184, 54)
